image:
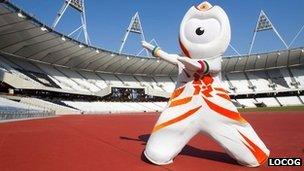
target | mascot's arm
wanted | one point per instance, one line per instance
(157, 52)
(205, 66)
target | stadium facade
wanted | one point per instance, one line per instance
(44, 71)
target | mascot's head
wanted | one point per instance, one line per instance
(204, 31)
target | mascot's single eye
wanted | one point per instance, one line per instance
(199, 31)
(202, 31)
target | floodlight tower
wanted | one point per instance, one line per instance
(80, 7)
(264, 24)
(134, 27)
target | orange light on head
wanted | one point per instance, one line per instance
(204, 6)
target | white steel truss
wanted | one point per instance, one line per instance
(296, 36)
(80, 7)
(134, 27)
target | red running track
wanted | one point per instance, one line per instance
(116, 142)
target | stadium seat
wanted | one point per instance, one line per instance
(290, 101)
(269, 101)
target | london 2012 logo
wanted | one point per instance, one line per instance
(284, 162)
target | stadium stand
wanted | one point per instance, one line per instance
(15, 110)
(46, 68)
(116, 107)
(59, 109)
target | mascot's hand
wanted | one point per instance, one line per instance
(158, 53)
(147, 45)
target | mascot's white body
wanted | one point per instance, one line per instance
(199, 104)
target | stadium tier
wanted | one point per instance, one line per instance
(15, 110)
(51, 69)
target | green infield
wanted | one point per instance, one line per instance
(273, 109)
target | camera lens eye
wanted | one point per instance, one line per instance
(199, 31)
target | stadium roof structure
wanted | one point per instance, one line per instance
(24, 36)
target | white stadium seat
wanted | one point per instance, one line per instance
(259, 80)
(148, 82)
(287, 77)
(298, 73)
(277, 78)
(6, 104)
(79, 80)
(94, 79)
(302, 98)
(250, 103)
(165, 83)
(289, 101)
(269, 101)
(239, 81)
(225, 83)
(129, 80)
(111, 79)
(10, 109)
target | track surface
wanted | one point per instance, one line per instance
(116, 142)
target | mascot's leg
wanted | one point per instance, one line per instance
(225, 124)
(241, 142)
(173, 130)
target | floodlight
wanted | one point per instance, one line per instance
(20, 15)
(43, 29)
(77, 4)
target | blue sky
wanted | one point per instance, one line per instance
(107, 21)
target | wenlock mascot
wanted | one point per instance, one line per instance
(199, 104)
